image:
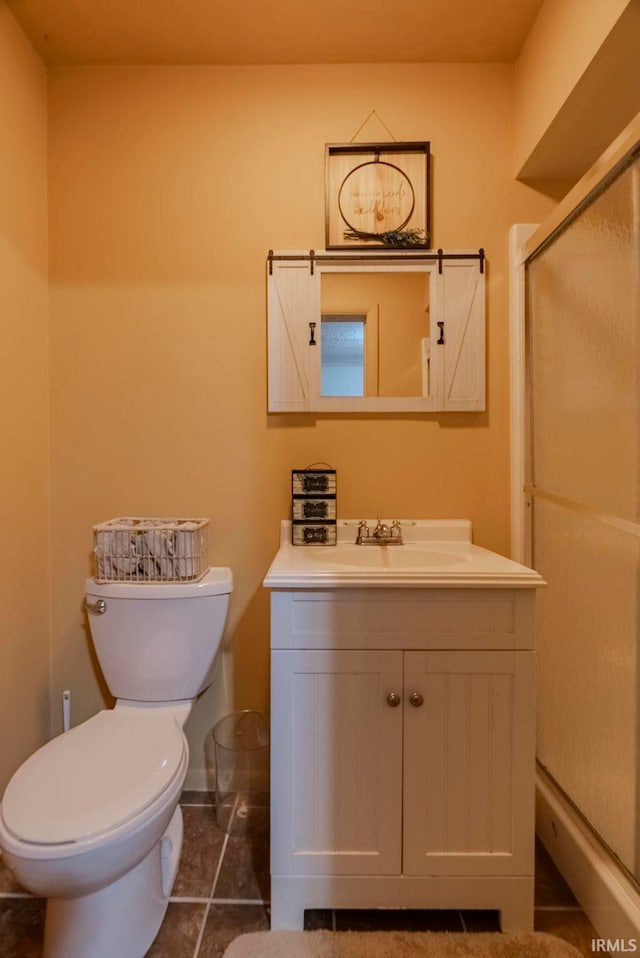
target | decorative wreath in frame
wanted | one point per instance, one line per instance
(378, 194)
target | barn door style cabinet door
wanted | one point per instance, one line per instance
(366, 332)
(402, 777)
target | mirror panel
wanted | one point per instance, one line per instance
(391, 312)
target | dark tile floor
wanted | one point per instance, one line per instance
(222, 890)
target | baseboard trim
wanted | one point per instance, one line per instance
(608, 898)
(199, 779)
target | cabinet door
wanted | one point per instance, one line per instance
(469, 763)
(336, 763)
(292, 293)
(462, 292)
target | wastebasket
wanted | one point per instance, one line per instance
(241, 747)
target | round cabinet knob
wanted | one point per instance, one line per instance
(416, 700)
(393, 700)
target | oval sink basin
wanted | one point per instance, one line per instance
(355, 557)
(402, 558)
(387, 558)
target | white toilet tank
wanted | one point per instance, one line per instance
(158, 642)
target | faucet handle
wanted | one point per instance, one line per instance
(363, 531)
(395, 528)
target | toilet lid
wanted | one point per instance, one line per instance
(94, 777)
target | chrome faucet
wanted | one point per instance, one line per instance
(382, 535)
(382, 531)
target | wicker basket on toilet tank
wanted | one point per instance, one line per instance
(150, 549)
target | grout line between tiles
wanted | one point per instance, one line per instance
(201, 932)
(240, 901)
(220, 861)
(188, 900)
(224, 846)
(194, 900)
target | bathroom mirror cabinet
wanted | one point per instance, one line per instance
(387, 331)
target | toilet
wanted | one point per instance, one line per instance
(91, 820)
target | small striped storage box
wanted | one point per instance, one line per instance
(314, 507)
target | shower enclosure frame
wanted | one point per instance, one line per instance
(608, 897)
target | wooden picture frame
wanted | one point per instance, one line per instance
(377, 196)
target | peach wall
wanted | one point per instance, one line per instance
(168, 186)
(573, 85)
(24, 555)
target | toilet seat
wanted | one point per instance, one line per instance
(94, 779)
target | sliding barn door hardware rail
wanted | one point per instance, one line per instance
(372, 256)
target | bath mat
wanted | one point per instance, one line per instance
(398, 944)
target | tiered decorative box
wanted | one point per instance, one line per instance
(313, 493)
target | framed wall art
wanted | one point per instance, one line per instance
(377, 194)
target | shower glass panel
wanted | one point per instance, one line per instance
(583, 345)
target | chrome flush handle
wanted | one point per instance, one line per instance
(99, 607)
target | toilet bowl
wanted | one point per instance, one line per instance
(91, 820)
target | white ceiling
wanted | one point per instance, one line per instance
(118, 32)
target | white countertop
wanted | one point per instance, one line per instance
(437, 553)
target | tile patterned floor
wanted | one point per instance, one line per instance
(222, 890)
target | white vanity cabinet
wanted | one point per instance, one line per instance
(403, 728)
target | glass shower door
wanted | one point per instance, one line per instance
(583, 343)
